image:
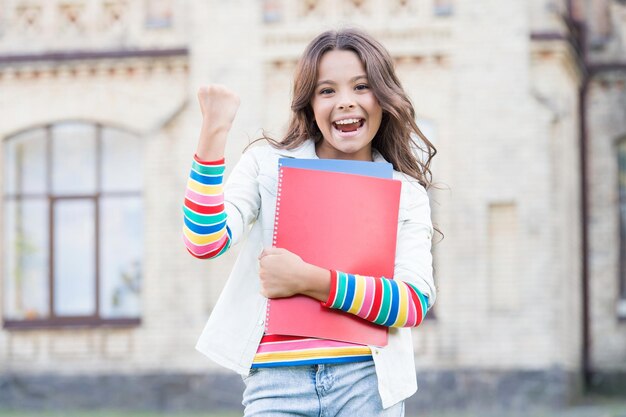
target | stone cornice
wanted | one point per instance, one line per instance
(436, 40)
(556, 46)
(66, 56)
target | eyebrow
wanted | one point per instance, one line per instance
(353, 79)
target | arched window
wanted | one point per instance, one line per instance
(73, 229)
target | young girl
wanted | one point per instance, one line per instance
(347, 104)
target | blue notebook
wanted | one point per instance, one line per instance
(370, 169)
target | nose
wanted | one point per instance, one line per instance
(343, 106)
(346, 101)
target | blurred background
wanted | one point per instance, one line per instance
(525, 101)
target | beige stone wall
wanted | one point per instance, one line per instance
(503, 112)
(557, 209)
(607, 125)
(606, 100)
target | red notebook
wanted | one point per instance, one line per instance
(336, 221)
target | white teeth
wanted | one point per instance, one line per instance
(347, 121)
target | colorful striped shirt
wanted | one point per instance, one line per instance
(277, 350)
(380, 300)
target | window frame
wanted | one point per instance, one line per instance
(53, 320)
(621, 167)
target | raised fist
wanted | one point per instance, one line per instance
(219, 106)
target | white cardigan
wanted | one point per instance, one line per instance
(234, 329)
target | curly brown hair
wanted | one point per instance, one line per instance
(398, 139)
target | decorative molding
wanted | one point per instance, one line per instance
(548, 36)
(366, 12)
(286, 43)
(74, 65)
(60, 56)
(91, 69)
(36, 25)
(558, 49)
(400, 7)
(600, 67)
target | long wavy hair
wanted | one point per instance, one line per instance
(398, 139)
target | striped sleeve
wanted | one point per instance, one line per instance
(205, 232)
(388, 302)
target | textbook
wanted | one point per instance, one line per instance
(370, 169)
(340, 221)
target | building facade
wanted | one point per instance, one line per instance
(525, 102)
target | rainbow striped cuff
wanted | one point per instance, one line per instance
(205, 232)
(382, 301)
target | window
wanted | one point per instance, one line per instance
(272, 11)
(621, 157)
(443, 8)
(73, 236)
(159, 14)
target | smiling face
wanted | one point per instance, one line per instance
(345, 108)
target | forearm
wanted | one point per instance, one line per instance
(205, 232)
(317, 282)
(383, 301)
(387, 302)
(212, 141)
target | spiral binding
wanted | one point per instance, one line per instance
(267, 315)
(275, 232)
(277, 211)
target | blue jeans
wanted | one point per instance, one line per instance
(346, 390)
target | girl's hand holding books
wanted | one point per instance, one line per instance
(283, 274)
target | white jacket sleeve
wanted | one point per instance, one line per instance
(242, 200)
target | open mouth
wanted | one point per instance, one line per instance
(348, 125)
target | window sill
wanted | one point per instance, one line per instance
(69, 322)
